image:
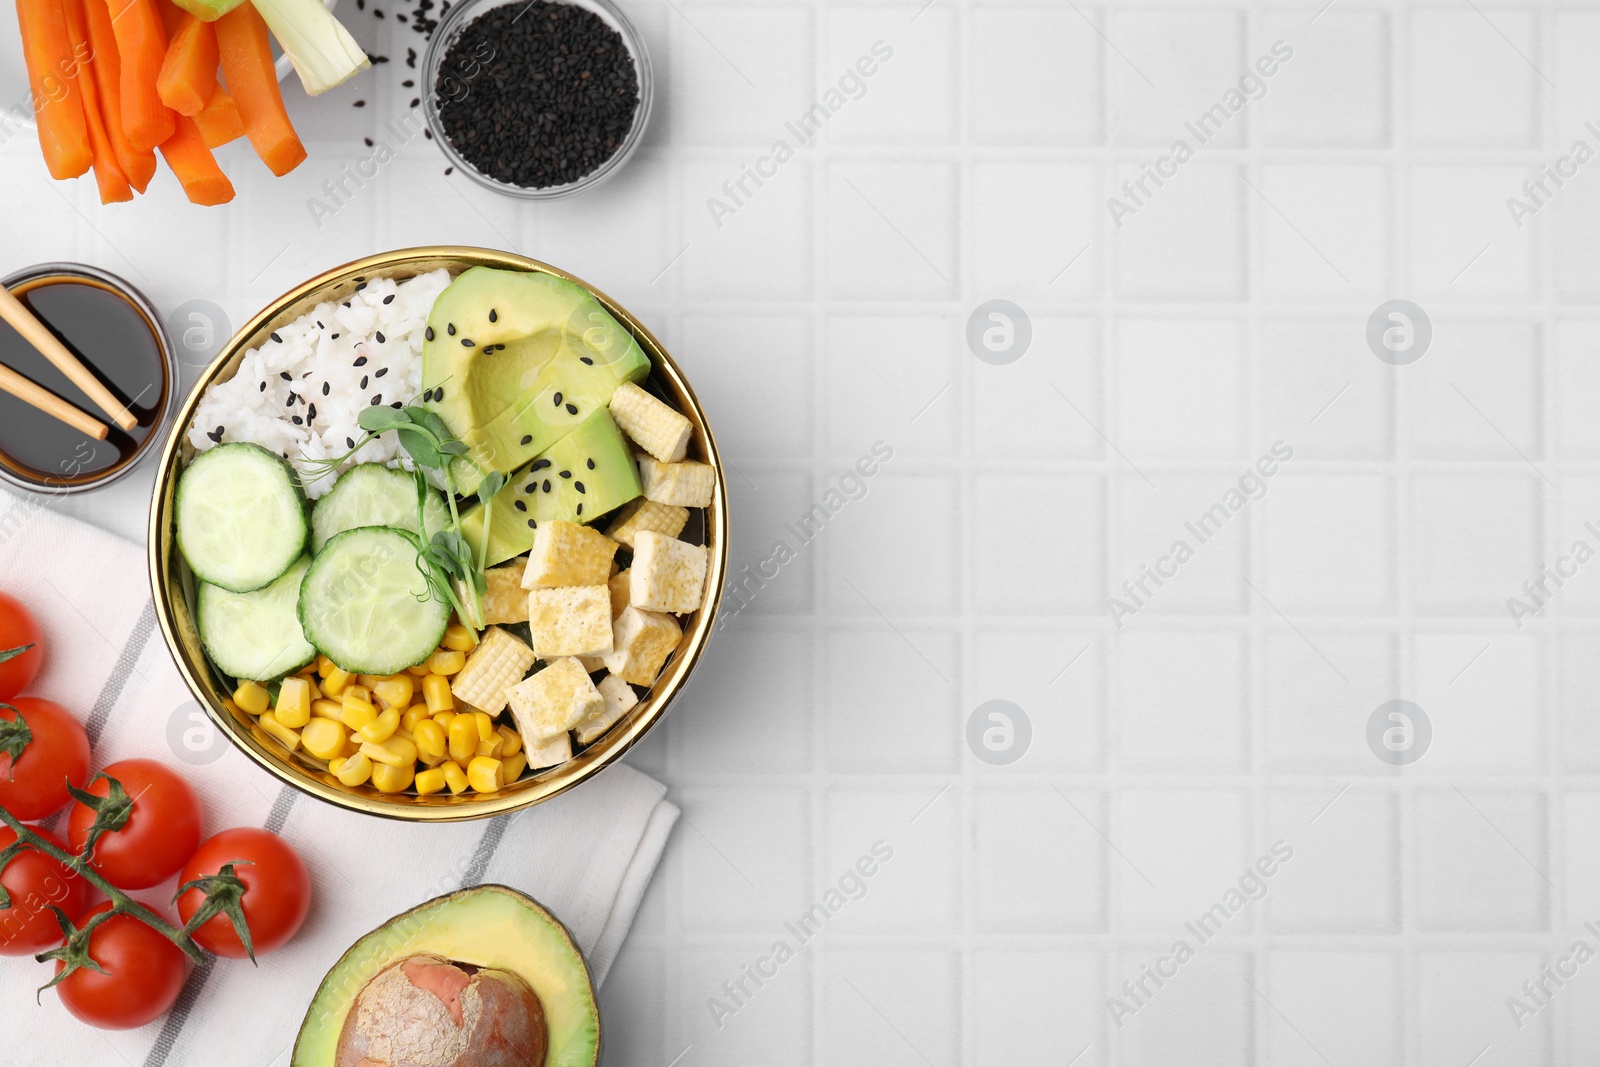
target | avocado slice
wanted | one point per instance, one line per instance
(487, 926)
(499, 341)
(601, 476)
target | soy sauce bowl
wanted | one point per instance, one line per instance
(440, 82)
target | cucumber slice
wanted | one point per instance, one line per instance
(374, 495)
(257, 635)
(241, 517)
(365, 604)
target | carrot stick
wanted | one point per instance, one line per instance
(108, 175)
(139, 167)
(52, 74)
(189, 70)
(186, 153)
(142, 44)
(248, 67)
(219, 120)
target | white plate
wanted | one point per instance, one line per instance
(16, 104)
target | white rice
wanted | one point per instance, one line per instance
(313, 362)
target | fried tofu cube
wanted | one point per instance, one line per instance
(687, 484)
(653, 425)
(620, 699)
(667, 574)
(557, 750)
(620, 587)
(591, 663)
(641, 643)
(643, 514)
(553, 701)
(565, 553)
(505, 600)
(574, 620)
(498, 663)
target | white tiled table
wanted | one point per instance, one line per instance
(1227, 312)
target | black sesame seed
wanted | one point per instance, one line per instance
(380, 337)
(276, 338)
(377, 400)
(416, 101)
(360, 103)
(347, 303)
(540, 464)
(566, 474)
(527, 439)
(380, 372)
(579, 487)
(290, 402)
(311, 412)
(297, 420)
(428, 134)
(466, 342)
(367, 141)
(349, 443)
(580, 509)
(389, 299)
(449, 171)
(572, 409)
(450, 328)
(532, 525)
(286, 376)
(361, 361)
(586, 359)
(408, 84)
(335, 337)
(591, 464)
(520, 505)
(428, 334)
(360, 287)
(320, 326)
(397, 405)
(493, 315)
(326, 388)
(263, 387)
(547, 485)
(438, 392)
(530, 487)
(558, 400)
(363, 382)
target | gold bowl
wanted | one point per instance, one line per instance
(173, 584)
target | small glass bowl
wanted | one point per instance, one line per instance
(445, 35)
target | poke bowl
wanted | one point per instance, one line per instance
(449, 569)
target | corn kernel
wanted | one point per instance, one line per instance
(381, 728)
(311, 680)
(436, 691)
(290, 738)
(294, 703)
(233, 709)
(323, 738)
(395, 691)
(513, 741)
(328, 709)
(396, 752)
(411, 716)
(454, 776)
(447, 663)
(430, 781)
(430, 761)
(357, 714)
(493, 747)
(391, 779)
(485, 725)
(252, 698)
(430, 739)
(485, 774)
(419, 671)
(463, 738)
(353, 770)
(459, 638)
(443, 718)
(335, 681)
(324, 665)
(512, 766)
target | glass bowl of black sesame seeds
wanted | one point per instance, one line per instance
(538, 99)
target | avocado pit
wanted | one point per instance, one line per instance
(427, 1011)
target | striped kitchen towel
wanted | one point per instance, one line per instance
(587, 855)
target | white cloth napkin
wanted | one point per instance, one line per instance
(587, 855)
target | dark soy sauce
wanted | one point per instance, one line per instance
(118, 343)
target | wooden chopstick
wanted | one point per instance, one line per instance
(39, 336)
(47, 402)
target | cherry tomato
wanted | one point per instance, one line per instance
(35, 785)
(144, 974)
(277, 891)
(18, 628)
(35, 881)
(162, 831)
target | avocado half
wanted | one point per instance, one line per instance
(488, 926)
